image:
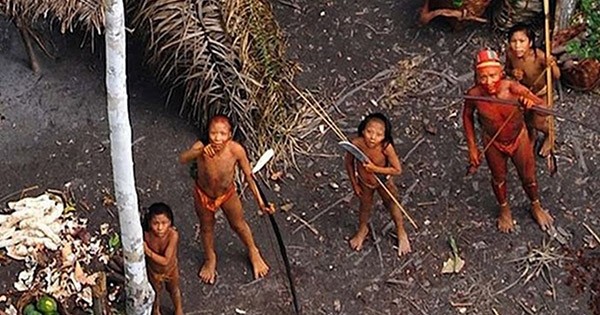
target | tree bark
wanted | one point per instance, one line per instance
(140, 294)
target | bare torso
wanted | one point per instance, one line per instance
(376, 156)
(216, 174)
(533, 66)
(493, 115)
(159, 245)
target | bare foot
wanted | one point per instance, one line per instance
(208, 272)
(403, 244)
(156, 310)
(259, 265)
(505, 221)
(541, 216)
(356, 242)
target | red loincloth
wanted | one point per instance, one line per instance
(209, 203)
(508, 148)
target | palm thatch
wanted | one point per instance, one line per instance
(70, 14)
(262, 52)
(229, 58)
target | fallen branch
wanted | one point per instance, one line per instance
(310, 227)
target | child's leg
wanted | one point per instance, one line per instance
(364, 213)
(175, 292)
(403, 243)
(541, 123)
(157, 286)
(208, 271)
(235, 216)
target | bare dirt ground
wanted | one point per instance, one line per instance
(54, 130)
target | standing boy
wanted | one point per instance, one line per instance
(215, 188)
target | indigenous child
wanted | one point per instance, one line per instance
(161, 241)
(505, 127)
(215, 188)
(375, 140)
(527, 64)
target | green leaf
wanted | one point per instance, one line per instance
(114, 242)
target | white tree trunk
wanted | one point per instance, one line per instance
(140, 294)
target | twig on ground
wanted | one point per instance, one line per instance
(310, 227)
(382, 75)
(345, 198)
(21, 192)
(579, 152)
(412, 303)
(361, 258)
(289, 4)
(421, 140)
(467, 41)
(592, 232)
(441, 75)
(376, 241)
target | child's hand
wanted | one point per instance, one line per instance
(518, 74)
(210, 150)
(369, 167)
(146, 249)
(270, 208)
(474, 160)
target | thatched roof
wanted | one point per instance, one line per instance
(70, 14)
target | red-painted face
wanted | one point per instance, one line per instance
(489, 78)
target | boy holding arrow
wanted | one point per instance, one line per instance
(215, 188)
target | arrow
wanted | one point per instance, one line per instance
(262, 161)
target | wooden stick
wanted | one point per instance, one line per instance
(592, 232)
(310, 227)
(396, 202)
(549, 88)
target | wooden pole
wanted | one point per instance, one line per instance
(549, 87)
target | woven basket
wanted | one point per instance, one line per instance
(32, 296)
(583, 75)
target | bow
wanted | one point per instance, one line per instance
(262, 161)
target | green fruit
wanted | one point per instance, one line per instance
(47, 305)
(30, 310)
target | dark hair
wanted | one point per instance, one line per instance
(520, 27)
(155, 209)
(387, 138)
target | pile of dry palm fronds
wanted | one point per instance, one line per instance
(70, 14)
(228, 58)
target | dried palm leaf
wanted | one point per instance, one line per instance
(70, 14)
(188, 47)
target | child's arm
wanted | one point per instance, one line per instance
(552, 62)
(349, 165)
(244, 163)
(170, 251)
(192, 153)
(394, 168)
